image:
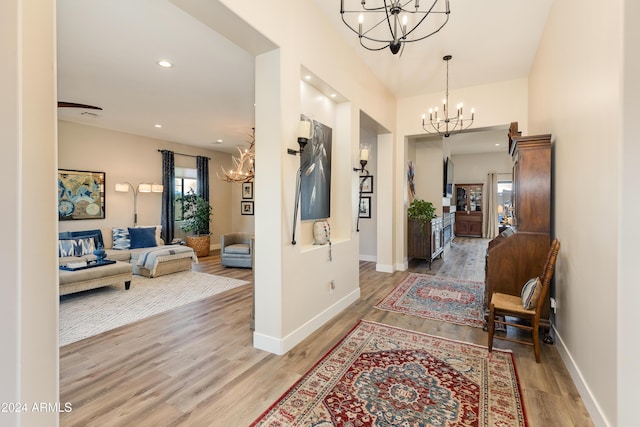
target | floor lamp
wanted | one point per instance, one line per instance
(142, 188)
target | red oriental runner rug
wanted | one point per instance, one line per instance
(438, 298)
(379, 375)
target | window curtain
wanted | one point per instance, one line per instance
(491, 209)
(168, 209)
(202, 174)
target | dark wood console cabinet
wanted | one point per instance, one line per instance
(518, 254)
(425, 244)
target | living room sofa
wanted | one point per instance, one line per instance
(78, 246)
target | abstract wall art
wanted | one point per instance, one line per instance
(80, 195)
(315, 164)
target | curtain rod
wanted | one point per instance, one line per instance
(180, 154)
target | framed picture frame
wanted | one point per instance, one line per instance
(364, 211)
(247, 190)
(80, 195)
(246, 208)
(367, 183)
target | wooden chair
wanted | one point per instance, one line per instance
(511, 306)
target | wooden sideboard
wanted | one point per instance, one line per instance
(518, 254)
(425, 244)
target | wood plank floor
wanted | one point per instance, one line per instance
(196, 366)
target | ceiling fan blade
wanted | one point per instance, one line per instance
(62, 104)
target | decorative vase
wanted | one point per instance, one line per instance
(100, 253)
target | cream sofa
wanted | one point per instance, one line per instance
(75, 281)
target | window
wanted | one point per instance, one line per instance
(505, 205)
(185, 181)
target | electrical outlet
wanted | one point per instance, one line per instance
(332, 286)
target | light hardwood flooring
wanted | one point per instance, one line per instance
(196, 366)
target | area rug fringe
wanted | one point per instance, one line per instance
(89, 313)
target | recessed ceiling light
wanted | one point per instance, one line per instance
(307, 77)
(158, 125)
(333, 95)
(165, 64)
(497, 145)
(218, 141)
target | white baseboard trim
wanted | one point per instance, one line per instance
(384, 268)
(280, 346)
(402, 266)
(369, 258)
(590, 403)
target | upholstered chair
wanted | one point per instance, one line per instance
(236, 250)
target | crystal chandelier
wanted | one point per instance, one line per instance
(445, 124)
(392, 23)
(244, 166)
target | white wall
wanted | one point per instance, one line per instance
(577, 97)
(429, 166)
(135, 159)
(29, 291)
(629, 227)
(473, 168)
(368, 226)
(292, 281)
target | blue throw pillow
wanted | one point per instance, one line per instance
(76, 247)
(142, 237)
(66, 247)
(120, 238)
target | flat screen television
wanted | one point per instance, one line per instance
(448, 178)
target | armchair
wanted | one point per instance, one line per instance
(236, 250)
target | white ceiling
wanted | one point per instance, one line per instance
(108, 52)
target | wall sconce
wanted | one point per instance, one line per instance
(364, 159)
(305, 133)
(142, 188)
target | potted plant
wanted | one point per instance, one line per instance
(421, 211)
(197, 213)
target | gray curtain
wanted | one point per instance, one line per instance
(168, 208)
(491, 207)
(202, 174)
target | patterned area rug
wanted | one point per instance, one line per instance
(379, 375)
(439, 298)
(85, 314)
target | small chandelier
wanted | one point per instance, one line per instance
(391, 23)
(445, 125)
(244, 166)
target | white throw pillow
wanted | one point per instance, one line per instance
(531, 292)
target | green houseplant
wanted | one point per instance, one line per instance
(421, 211)
(197, 213)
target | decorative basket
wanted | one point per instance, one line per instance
(200, 244)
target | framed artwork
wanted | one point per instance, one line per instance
(367, 183)
(315, 181)
(365, 207)
(247, 190)
(246, 208)
(80, 195)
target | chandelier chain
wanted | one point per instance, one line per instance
(447, 125)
